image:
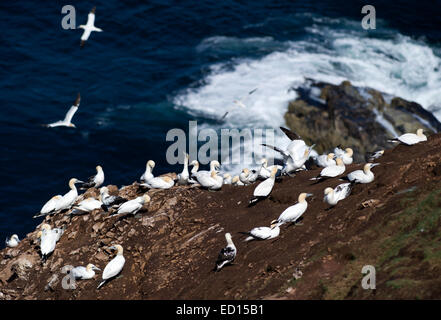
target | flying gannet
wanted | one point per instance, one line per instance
(239, 102)
(332, 196)
(147, 175)
(362, 176)
(265, 170)
(294, 212)
(411, 138)
(84, 273)
(325, 160)
(67, 122)
(248, 176)
(227, 254)
(345, 155)
(115, 266)
(264, 188)
(332, 171)
(94, 181)
(49, 206)
(264, 233)
(13, 241)
(89, 27)
(183, 177)
(133, 206)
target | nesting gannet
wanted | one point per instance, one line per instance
(265, 170)
(214, 166)
(375, 155)
(411, 138)
(84, 273)
(48, 241)
(133, 206)
(239, 102)
(248, 176)
(69, 198)
(236, 181)
(89, 27)
(227, 178)
(114, 267)
(345, 155)
(362, 176)
(164, 182)
(147, 175)
(264, 188)
(67, 122)
(87, 205)
(332, 196)
(94, 181)
(13, 241)
(183, 177)
(109, 200)
(326, 160)
(227, 254)
(332, 171)
(293, 213)
(49, 206)
(211, 182)
(264, 233)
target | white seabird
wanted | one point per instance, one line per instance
(332, 171)
(69, 198)
(236, 181)
(325, 160)
(211, 182)
(87, 205)
(115, 266)
(48, 241)
(147, 175)
(227, 254)
(375, 155)
(133, 206)
(362, 176)
(332, 196)
(264, 188)
(89, 27)
(49, 207)
(411, 138)
(294, 212)
(227, 178)
(84, 273)
(163, 182)
(265, 170)
(345, 155)
(239, 102)
(13, 241)
(94, 181)
(264, 233)
(183, 177)
(109, 200)
(67, 122)
(248, 176)
(214, 166)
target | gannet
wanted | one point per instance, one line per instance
(87, 205)
(89, 27)
(48, 241)
(293, 213)
(58, 233)
(227, 254)
(214, 166)
(13, 241)
(211, 182)
(147, 175)
(345, 155)
(49, 206)
(264, 188)
(325, 160)
(183, 177)
(332, 171)
(164, 182)
(84, 273)
(411, 138)
(265, 170)
(291, 159)
(247, 176)
(239, 102)
(227, 178)
(67, 122)
(109, 200)
(332, 196)
(94, 181)
(264, 233)
(362, 176)
(297, 146)
(133, 206)
(236, 181)
(69, 198)
(114, 267)
(375, 155)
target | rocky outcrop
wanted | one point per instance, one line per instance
(360, 118)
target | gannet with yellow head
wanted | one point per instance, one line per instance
(332, 171)
(264, 233)
(264, 188)
(69, 198)
(115, 266)
(227, 254)
(67, 122)
(84, 273)
(133, 206)
(147, 175)
(49, 207)
(293, 213)
(332, 196)
(362, 176)
(325, 160)
(13, 241)
(411, 138)
(94, 181)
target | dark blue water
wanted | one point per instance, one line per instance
(153, 65)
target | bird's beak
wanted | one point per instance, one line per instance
(375, 164)
(309, 194)
(96, 268)
(79, 181)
